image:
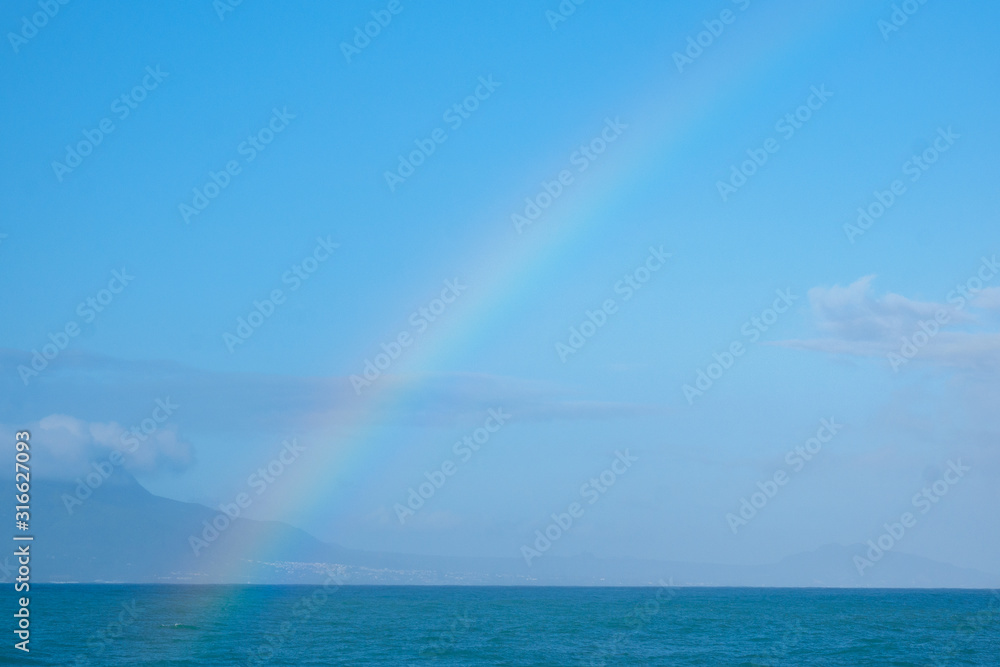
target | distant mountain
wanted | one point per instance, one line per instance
(123, 533)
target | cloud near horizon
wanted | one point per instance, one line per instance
(855, 321)
(89, 405)
(65, 447)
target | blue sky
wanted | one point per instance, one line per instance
(323, 176)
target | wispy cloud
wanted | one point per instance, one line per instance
(94, 389)
(856, 321)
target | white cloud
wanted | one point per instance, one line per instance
(988, 299)
(856, 321)
(64, 447)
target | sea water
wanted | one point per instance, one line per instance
(347, 625)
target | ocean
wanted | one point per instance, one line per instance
(359, 625)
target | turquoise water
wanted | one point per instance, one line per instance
(306, 625)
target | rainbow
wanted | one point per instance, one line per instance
(657, 127)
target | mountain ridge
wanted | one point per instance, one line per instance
(123, 533)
